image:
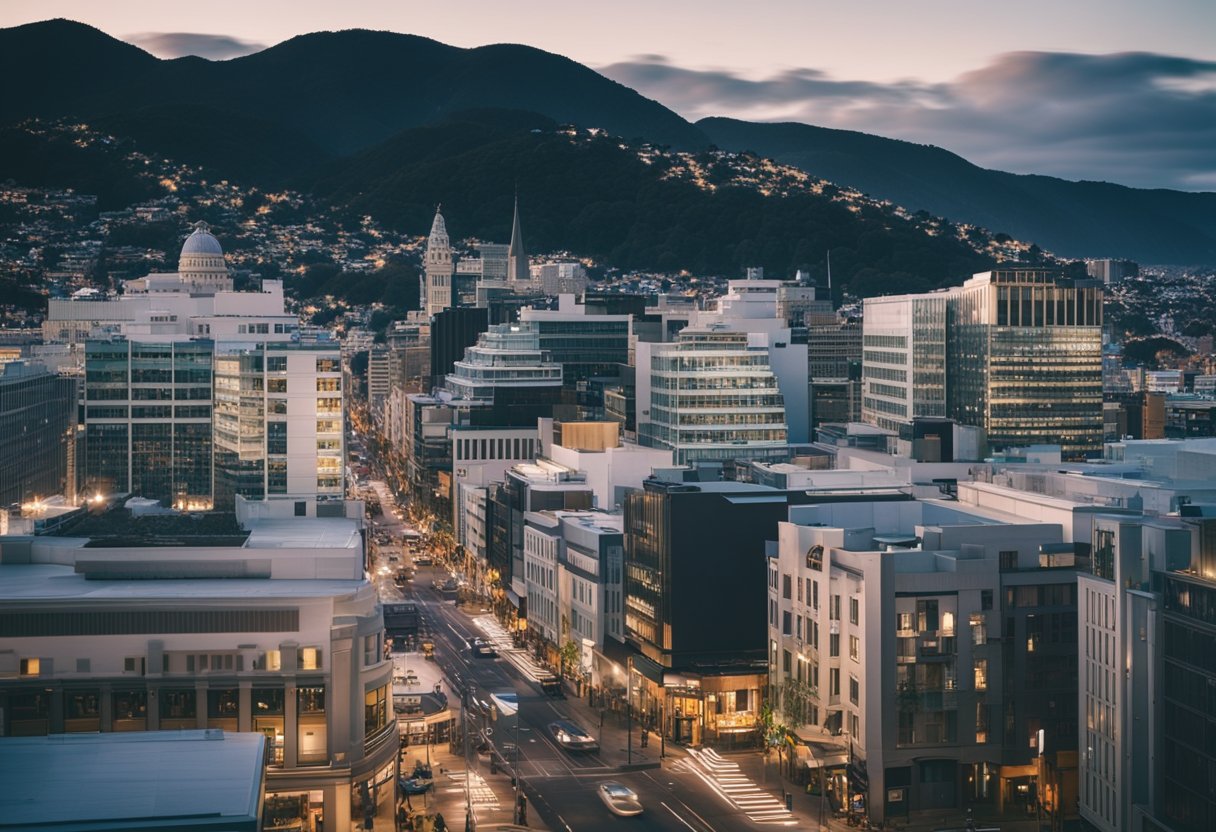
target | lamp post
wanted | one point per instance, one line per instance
(629, 710)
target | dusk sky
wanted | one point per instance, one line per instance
(1118, 90)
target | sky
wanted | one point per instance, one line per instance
(1114, 90)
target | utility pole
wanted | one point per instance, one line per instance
(629, 712)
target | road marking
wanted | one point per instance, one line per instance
(676, 815)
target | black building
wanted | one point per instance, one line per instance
(37, 427)
(1186, 750)
(452, 332)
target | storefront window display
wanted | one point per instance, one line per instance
(374, 799)
(311, 744)
(267, 706)
(223, 707)
(130, 710)
(81, 711)
(178, 709)
(293, 812)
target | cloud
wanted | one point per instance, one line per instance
(177, 44)
(1137, 118)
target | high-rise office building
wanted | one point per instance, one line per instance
(148, 420)
(437, 269)
(1024, 359)
(452, 332)
(279, 413)
(505, 356)
(1016, 352)
(711, 395)
(37, 433)
(903, 359)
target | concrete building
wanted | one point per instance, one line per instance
(438, 269)
(195, 302)
(279, 422)
(265, 622)
(560, 278)
(888, 653)
(587, 345)
(1119, 639)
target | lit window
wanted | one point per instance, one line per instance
(310, 658)
(274, 660)
(31, 667)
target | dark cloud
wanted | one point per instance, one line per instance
(1136, 118)
(177, 44)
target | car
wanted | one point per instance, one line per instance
(571, 737)
(552, 686)
(423, 560)
(620, 800)
(482, 649)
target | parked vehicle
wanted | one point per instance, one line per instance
(552, 686)
(482, 649)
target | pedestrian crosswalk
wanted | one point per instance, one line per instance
(481, 796)
(737, 789)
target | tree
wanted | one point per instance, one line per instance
(772, 733)
(569, 654)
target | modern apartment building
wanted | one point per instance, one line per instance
(279, 422)
(887, 649)
(264, 622)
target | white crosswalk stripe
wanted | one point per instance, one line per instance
(480, 793)
(738, 789)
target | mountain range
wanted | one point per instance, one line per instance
(302, 110)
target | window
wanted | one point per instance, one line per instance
(798, 626)
(276, 385)
(276, 363)
(981, 674)
(267, 702)
(813, 635)
(834, 681)
(308, 658)
(800, 592)
(273, 660)
(301, 508)
(786, 623)
(854, 690)
(926, 616)
(329, 385)
(1009, 560)
(979, 629)
(177, 708)
(224, 703)
(986, 599)
(815, 594)
(786, 587)
(786, 661)
(905, 623)
(855, 648)
(834, 609)
(854, 610)
(375, 710)
(834, 644)
(327, 365)
(31, 667)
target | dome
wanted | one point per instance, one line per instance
(202, 241)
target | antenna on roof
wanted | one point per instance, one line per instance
(829, 274)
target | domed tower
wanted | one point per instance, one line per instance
(437, 277)
(201, 265)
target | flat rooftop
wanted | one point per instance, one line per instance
(204, 780)
(49, 582)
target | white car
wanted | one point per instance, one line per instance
(620, 800)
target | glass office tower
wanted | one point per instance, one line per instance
(148, 420)
(1024, 359)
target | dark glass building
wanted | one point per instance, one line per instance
(37, 427)
(148, 420)
(452, 332)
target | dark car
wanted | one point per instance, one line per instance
(571, 737)
(552, 686)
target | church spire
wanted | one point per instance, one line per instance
(517, 258)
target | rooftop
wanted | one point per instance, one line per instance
(203, 779)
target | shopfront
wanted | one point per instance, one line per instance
(294, 812)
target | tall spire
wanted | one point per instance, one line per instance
(439, 231)
(517, 258)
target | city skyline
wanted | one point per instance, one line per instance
(1109, 92)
